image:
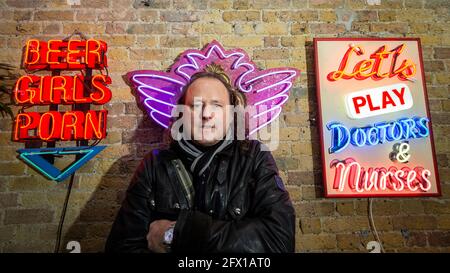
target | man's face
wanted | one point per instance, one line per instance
(208, 107)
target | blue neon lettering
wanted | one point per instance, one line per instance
(378, 133)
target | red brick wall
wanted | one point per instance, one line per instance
(150, 34)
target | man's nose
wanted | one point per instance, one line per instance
(207, 112)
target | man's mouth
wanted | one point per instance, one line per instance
(208, 127)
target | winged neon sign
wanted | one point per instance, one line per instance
(267, 90)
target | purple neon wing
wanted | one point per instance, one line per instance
(268, 91)
(158, 92)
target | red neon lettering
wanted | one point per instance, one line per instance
(373, 66)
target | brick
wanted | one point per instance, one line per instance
(269, 16)
(271, 41)
(315, 242)
(345, 224)
(179, 16)
(271, 28)
(24, 3)
(321, 4)
(330, 16)
(19, 28)
(366, 16)
(303, 178)
(415, 239)
(98, 4)
(436, 207)
(439, 239)
(170, 41)
(283, 149)
(232, 16)
(386, 207)
(298, 16)
(396, 28)
(392, 240)
(242, 41)
(309, 225)
(116, 151)
(145, 41)
(290, 133)
(146, 28)
(92, 28)
(287, 163)
(7, 233)
(310, 192)
(8, 200)
(147, 54)
(295, 193)
(299, 28)
(241, 4)
(51, 28)
(220, 4)
(345, 208)
(85, 15)
(294, 119)
(415, 222)
(436, 4)
(270, 54)
(326, 28)
(54, 15)
(293, 41)
(12, 168)
(350, 242)
(213, 28)
(411, 207)
(28, 216)
(20, 15)
(411, 15)
(274, 4)
(442, 52)
(117, 15)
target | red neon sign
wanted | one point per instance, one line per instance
(54, 125)
(372, 68)
(33, 90)
(65, 55)
(44, 90)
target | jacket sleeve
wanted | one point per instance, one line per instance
(268, 226)
(130, 228)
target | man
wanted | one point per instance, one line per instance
(208, 192)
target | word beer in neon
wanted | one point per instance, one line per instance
(375, 124)
(65, 55)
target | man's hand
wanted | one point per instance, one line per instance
(155, 236)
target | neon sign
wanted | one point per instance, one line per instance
(372, 67)
(267, 90)
(375, 126)
(80, 123)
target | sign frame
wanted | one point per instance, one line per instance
(321, 125)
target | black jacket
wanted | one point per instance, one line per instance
(246, 207)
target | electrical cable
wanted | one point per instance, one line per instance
(372, 225)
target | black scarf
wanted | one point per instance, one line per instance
(200, 157)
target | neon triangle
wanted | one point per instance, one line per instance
(34, 158)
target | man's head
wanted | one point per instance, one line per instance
(209, 99)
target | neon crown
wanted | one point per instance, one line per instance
(267, 90)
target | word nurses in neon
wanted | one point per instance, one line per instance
(266, 90)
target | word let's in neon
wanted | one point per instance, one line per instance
(371, 68)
